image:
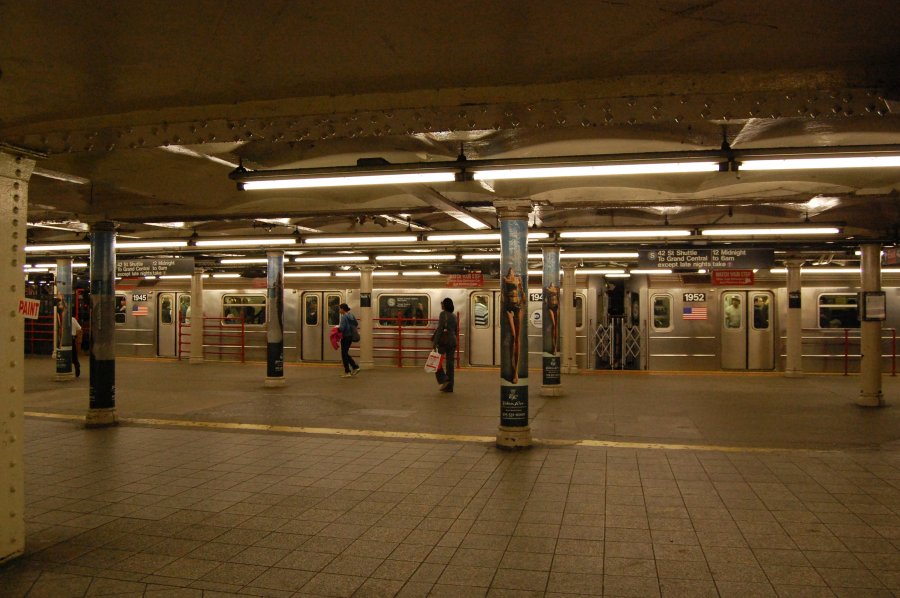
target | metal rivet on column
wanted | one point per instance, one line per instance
(15, 186)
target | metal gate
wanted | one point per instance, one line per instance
(617, 345)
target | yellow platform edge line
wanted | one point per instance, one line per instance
(136, 421)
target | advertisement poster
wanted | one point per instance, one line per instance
(513, 331)
(275, 325)
(550, 317)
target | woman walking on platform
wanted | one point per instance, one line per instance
(347, 326)
(444, 342)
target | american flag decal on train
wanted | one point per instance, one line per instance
(694, 313)
(140, 310)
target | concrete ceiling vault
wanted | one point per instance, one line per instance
(144, 108)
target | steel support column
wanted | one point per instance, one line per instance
(366, 353)
(793, 367)
(15, 171)
(196, 321)
(870, 331)
(550, 383)
(514, 431)
(63, 312)
(102, 410)
(275, 319)
(569, 352)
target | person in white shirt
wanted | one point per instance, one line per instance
(76, 345)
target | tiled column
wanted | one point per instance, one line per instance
(514, 431)
(64, 311)
(569, 354)
(550, 384)
(197, 317)
(870, 331)
(793, 367)
(275, 320)
(102, 411)
(15, 171)
(366, 355)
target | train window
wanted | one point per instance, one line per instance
(662, 312)
(838, 310)
(184, 309)
(121, 309)
(251, 307)
(165, 310)
(734, 312)
(334, 310)
(761, 312)
(411, 310)
(311, 309)
(481, 311)
(579, 311)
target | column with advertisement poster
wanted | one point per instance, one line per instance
(64, 348)
(275, 319)
(551, 386)
(102, 411)
(514, 431)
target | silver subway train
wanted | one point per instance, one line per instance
(655, 322)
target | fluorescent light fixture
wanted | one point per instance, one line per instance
(53, 265)
(775, 231)
(818, 271)
(651, 271)
(890, 270)
(535, 272)
(245, 242)
(421, 273)
(440, 176)
(346, 274)
(59, 176)
(603, 271)
(227, 275)
(417, 257)
(495, 256)
(244, 260)
(625, 233)
(150, 244)
(350, 240)
(166, 224)
(339, 259)
(306, 274)
(35, 269)
(149, 278)
(547, 172)
(565, 255)
(468, 220)
(174, 276)
(62, 247)
(701, 271)
(385, 273)
(626, 275)
(478, 236)
(821, 163)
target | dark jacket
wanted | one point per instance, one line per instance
(444, 336)
(348, 320)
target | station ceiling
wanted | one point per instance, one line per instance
(143, 109)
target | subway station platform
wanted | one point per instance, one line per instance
(638, 484)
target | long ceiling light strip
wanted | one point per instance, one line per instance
(532, 236)
(150, 244)
(447, 176)
(770, 232)
(820, 163)
(625, 234)
(326, 259)
(245, 242)
(548, 172)
(363, 240)
(416, 257)
(59, 247)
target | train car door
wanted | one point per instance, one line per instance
(748, 335)
(166, 325)
(484, 328)
(320, 314)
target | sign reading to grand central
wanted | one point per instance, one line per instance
(171, 266)
(729, 258)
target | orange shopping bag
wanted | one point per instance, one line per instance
(433, 363)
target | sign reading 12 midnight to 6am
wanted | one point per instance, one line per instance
(718, 258)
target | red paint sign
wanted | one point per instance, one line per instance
(732, 277)
(30, 308)
(469, 280)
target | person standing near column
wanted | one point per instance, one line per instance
(444, 342)
(349, 332)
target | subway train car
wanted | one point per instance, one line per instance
(655, 322)
(153, 320)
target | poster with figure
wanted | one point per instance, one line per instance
(275, 324)
(551, 357)
(513, 331)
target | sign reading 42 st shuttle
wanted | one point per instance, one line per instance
(708, 258)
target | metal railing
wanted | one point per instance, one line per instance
(409, 339)
(840, 343)
(222, 337)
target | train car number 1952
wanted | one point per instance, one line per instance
(694, 297)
